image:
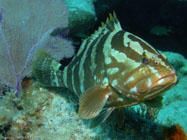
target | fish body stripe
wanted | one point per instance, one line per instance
(88, 72)
(89, 56)
(76, 79)
(143, 43)
(81, 69)
(94, 53)
(99, 71)
(107, 47)
(73, 79)
(68, 73)
(65, 76)
(89, 64)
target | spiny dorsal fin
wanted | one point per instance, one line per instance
(111, 24)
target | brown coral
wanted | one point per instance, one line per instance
(175, 132)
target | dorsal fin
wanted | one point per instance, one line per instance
(111, 24)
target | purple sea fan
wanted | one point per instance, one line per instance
(25, 28)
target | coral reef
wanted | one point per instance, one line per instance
(43, 113)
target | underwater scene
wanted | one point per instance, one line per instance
(93, 70)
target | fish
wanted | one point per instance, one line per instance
(112, 69)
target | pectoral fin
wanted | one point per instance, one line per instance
(103, 115)
(93, 100)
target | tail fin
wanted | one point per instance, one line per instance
(46, 70)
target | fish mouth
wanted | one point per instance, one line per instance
(159, 85)
(167, 79)
(162, 84)
(171, 74)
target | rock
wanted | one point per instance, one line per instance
(82, 16)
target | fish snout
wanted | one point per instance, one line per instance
(168, 79)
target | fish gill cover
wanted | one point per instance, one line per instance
(25, 27)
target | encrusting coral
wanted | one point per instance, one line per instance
(175, 132)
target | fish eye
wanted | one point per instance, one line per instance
(145, 60)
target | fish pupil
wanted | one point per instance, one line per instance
(145, 60)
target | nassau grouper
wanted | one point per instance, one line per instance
(112, 69)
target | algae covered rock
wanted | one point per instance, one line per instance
(7, 111)
(175, 59)
(183, 70)
(174, 109)
(82, 15)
